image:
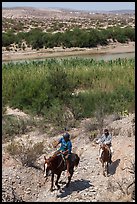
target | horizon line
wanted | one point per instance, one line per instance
(63, 8)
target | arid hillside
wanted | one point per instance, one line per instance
(22, 183)
(60, 20)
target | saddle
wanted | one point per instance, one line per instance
(72, 157)
(64, 157)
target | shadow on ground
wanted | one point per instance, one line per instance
(77, 185)
(113, 167)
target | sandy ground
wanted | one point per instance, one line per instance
(59, 52)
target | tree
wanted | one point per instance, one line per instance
(8, 38)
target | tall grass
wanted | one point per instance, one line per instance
(83, 85)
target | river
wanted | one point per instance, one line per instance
(101, 56)
(112, 56)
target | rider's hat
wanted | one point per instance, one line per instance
(105, 130)
(66, 136)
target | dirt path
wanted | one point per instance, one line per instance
(88, 183)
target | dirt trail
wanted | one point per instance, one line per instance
(88, 183)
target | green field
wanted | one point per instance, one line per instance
(82, 86)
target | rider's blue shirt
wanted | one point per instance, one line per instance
(65, 145)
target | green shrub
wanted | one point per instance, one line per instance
(27, 154)
(85, 86)
(37, 39)
(59, 82)
(11, 126)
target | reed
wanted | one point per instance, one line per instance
(80, 84)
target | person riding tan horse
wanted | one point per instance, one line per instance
(65, 148)
(106, 138)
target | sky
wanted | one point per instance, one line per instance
(89, 6)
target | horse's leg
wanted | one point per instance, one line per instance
(52, 180)
(107, 169)
(103, 167)
(69, 178)
(44, 171)
(110, 158)
(56, 183)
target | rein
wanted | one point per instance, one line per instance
(61, 160)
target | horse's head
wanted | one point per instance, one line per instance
(47, 166)
(104, 147)
(51, 164)
(105, 152)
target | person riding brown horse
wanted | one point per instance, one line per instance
(66, 148)
(106, 138)
(56, 165)
(104, 158)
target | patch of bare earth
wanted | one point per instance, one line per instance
(16, 112)
(88, 182)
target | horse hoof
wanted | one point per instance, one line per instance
(67, 185)
(46, 179)
(58, 187)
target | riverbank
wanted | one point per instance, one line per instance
(60, 52)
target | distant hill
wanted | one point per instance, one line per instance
(123, 11)
(54, 12)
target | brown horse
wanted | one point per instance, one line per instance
(105, 158)
(57, 164)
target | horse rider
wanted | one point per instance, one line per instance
(106, 138)
(65, 148)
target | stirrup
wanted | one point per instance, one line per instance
(110, 161)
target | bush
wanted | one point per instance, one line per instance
(60, 115)
(84, 86)
(11, 126)
(90, 126)
(76, 38)
(60, 86)
(93, 135)
(26, 153)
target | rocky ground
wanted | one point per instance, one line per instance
(88, 183)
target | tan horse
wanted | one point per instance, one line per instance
(105, 158)
(56, 164)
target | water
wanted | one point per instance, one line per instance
(112, 56)
(101, 56)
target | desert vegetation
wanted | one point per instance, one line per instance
(13, 125)
(27, 153)
(83, 86)
(82, 38)
(36, 29)
(23, 19)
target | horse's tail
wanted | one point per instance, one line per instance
(76, 160)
